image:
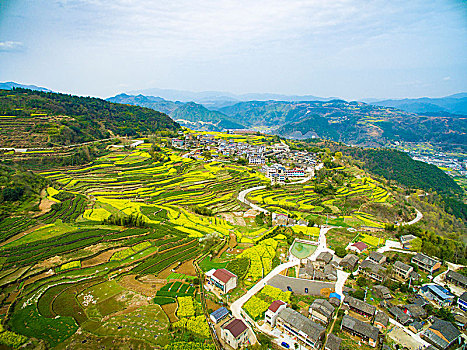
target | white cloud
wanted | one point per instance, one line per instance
(7, 46)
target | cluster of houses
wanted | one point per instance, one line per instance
(322, 269)
(255, 154)
(361, 320)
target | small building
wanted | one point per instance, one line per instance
(461, 321)
(415, 326)
(219, 315)
(279, 219)
(358, 247)
(381, 320)
(333, 342)
(177, 143)
(426, 263)
(322, 260)
(234, 333)
(399, 315)
(372, 270)
(330, 272)
(377, 258)
(335, 299)
(405, 241)
(321, 310)
(402, 271)
(437, 294)
(382, 292)
(363, 330)
(457, 279)
(415, 311)
(462, 301)
(442, 334)
(307, 332)
(349, 261)
(273, 311)
(360, 307)
(256, 160)
(223, 279)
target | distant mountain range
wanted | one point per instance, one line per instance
(438, 120)
(10, 85)
(454, 104)
(355, 123)
(219, 99)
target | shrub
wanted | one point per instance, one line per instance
(239, 267)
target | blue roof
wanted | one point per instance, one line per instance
(220, 313)
(439, 291)
(335, 295)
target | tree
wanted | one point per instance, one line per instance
(340, 252)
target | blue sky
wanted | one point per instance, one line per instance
(349, 49)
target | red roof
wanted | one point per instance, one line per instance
(360, 246)
(223, 275)
(236, 327)
(275, 305)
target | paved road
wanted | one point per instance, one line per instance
(241, 197)
(236, 306)
(414, 221)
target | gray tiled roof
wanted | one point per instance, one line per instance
(446, 328)
(324, 256)
(350, 259)
(373, 267)
(323, 306)
(302, 323)
(456, 276)
(425, 259)
(400, 315)
(382, 318)
(360, 305)
(378, 257)
(333, 342)
(401, 266)
(360, 327)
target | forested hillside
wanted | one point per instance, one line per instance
(37, 119)
(190, 114)
(396, 165)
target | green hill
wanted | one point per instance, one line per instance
(38, 119)
(190, 114)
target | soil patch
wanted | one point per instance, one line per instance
(170, 309)
(45, 204)
(101, 258)
(148, 289)
(212, 305)
(187, 268)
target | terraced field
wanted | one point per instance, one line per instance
(302, 201)
(80, 265)
(72, 262)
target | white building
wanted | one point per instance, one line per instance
(234, 333)
(273, 311)
(222, 279)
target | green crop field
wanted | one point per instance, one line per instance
(116, 251)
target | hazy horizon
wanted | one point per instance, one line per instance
(352, 50)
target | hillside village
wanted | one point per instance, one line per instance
(373, 295)
(221, 262)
